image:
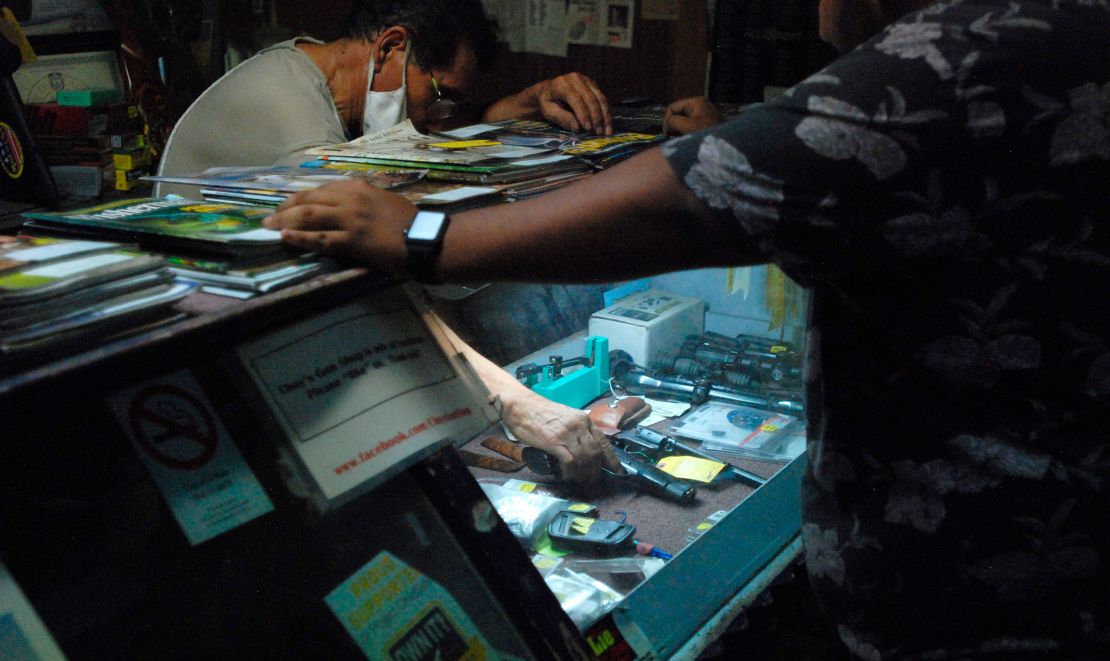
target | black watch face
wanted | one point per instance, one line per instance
(426, 226)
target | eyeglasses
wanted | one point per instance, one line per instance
(442, 107)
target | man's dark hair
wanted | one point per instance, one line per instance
(437, 27)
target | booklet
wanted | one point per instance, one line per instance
(170, 221)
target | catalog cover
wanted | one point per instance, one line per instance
(172, 218)
(403, 143)
(288, 178)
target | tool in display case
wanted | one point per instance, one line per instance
(744, 361)
(630, 379)
(570, 531)
(577, 387)
(638, 472)
(657, 445)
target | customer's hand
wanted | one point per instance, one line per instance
(690, 115)
(351, 219)
(567, 434)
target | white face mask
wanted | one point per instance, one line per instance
(385, 109)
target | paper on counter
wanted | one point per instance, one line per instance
(661, 410)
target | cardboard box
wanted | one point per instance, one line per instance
(82, 181)
(53, 119)
(649, 325)
(131, 159)
(129, 179)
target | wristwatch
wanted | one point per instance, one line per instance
(423, 240)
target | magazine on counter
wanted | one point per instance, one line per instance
(169, 221)
(35, 269)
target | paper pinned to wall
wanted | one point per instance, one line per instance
(584, 20)
(619, 16)
(64, 16)
(547, 26)
(544, 28)
(600, 22)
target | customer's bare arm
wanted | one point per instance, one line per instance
(634, 219)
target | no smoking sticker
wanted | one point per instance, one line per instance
(173, 427)
(198, 469)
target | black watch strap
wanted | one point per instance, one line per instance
(424, 241)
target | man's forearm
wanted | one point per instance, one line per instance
(522, 105)
(632, 220)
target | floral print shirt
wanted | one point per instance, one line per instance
(944, 189)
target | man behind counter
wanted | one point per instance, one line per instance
(397, 59)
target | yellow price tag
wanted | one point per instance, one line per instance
(769, 427)
(691, 468)
(464, 144)
(580, 507)
(582, 525)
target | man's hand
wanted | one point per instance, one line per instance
(351, 219)
(565, 433)
(689, 115)
(572, 101)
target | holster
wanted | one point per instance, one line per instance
(620, 413)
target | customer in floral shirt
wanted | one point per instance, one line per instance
(944, 189)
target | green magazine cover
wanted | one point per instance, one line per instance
(172, 219)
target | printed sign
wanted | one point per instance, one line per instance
(394, 612)
(23, 636)
(190, 455)
(361, 390)
(613, 640)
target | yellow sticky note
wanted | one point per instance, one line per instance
(464, 144)
(581, 524)
(691, 468)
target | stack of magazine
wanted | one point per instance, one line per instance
(57, 293)
(506, 152)
(270, 186)
(222, 247)
(451, 171)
